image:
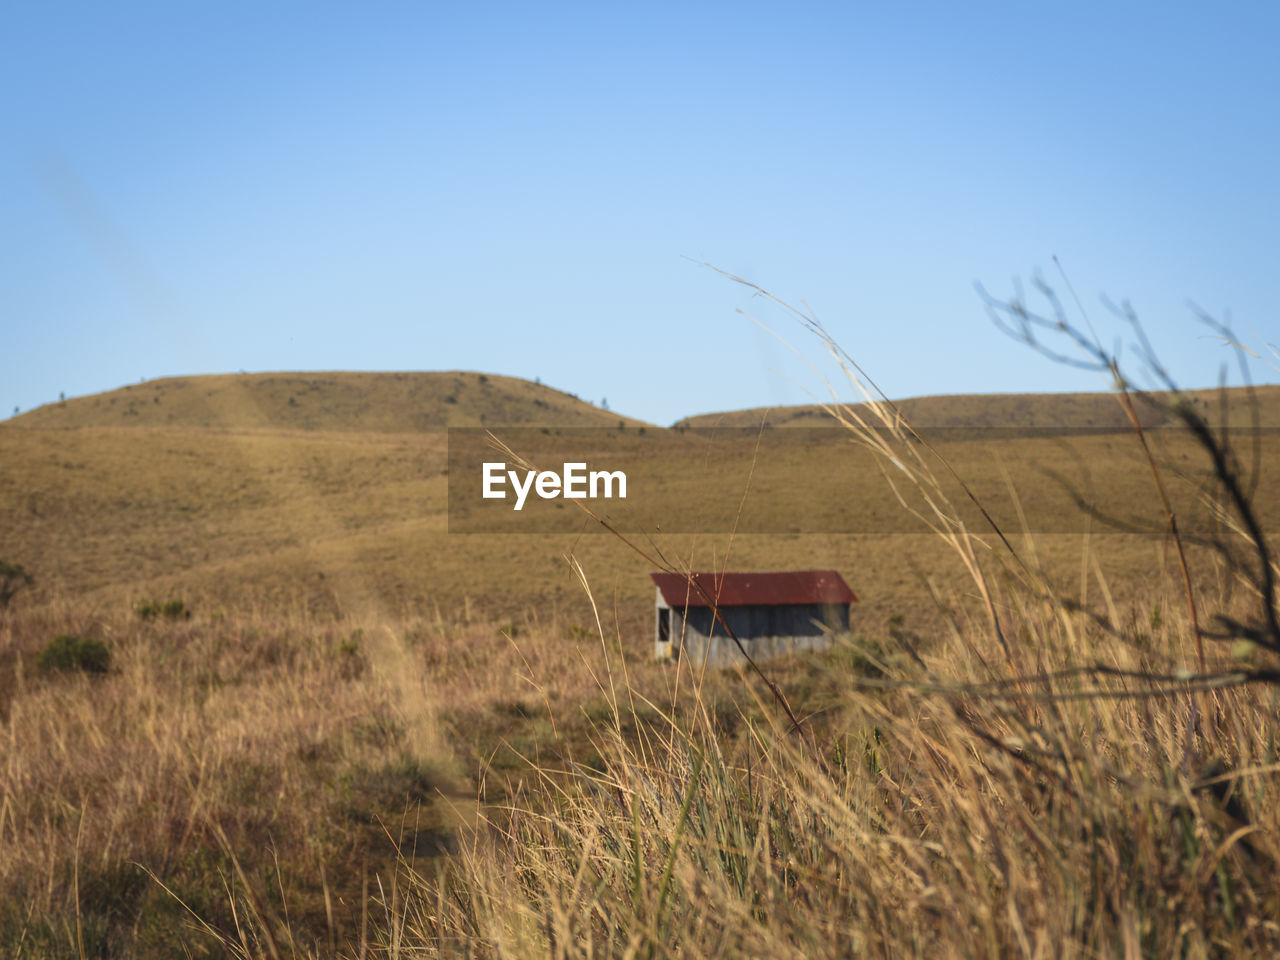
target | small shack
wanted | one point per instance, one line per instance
(771, 613)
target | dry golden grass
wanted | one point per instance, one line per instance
(274, 754)
(327, 401)
(374, 737)
(1040, 411)
(260, 761)
(272, 741)
(910, 824)
(1042, 782)
(354, 524)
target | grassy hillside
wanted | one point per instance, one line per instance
(344, 519)
(1039, 410)
(334, 523)
(328, 720)
(356, 402)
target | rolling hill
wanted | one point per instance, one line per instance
(348, 402)
(330, 492)
(1048, 411)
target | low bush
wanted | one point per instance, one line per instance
(68, 653)
(169, 609)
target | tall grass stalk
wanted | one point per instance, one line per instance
(1032, 790)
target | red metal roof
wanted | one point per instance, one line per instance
(754, 589)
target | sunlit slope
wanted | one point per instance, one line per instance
(91, 507)
(348, 520)
(1092, 411)
(365, 402)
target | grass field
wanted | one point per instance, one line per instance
(350, 402)
(1044, 411)
(330, 726)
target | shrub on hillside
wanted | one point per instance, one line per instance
(12, 579)
(68, 653)
(171, 609)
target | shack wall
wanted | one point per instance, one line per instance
(765, 631)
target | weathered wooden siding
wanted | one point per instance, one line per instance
(765, 631)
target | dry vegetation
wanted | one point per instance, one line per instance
(358, 402)
(275, 756)
(357, 736)
(905, 823)
(1038, 411)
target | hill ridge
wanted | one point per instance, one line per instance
(1095, 410)
(363, 401)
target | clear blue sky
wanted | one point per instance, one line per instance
(525, 188)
